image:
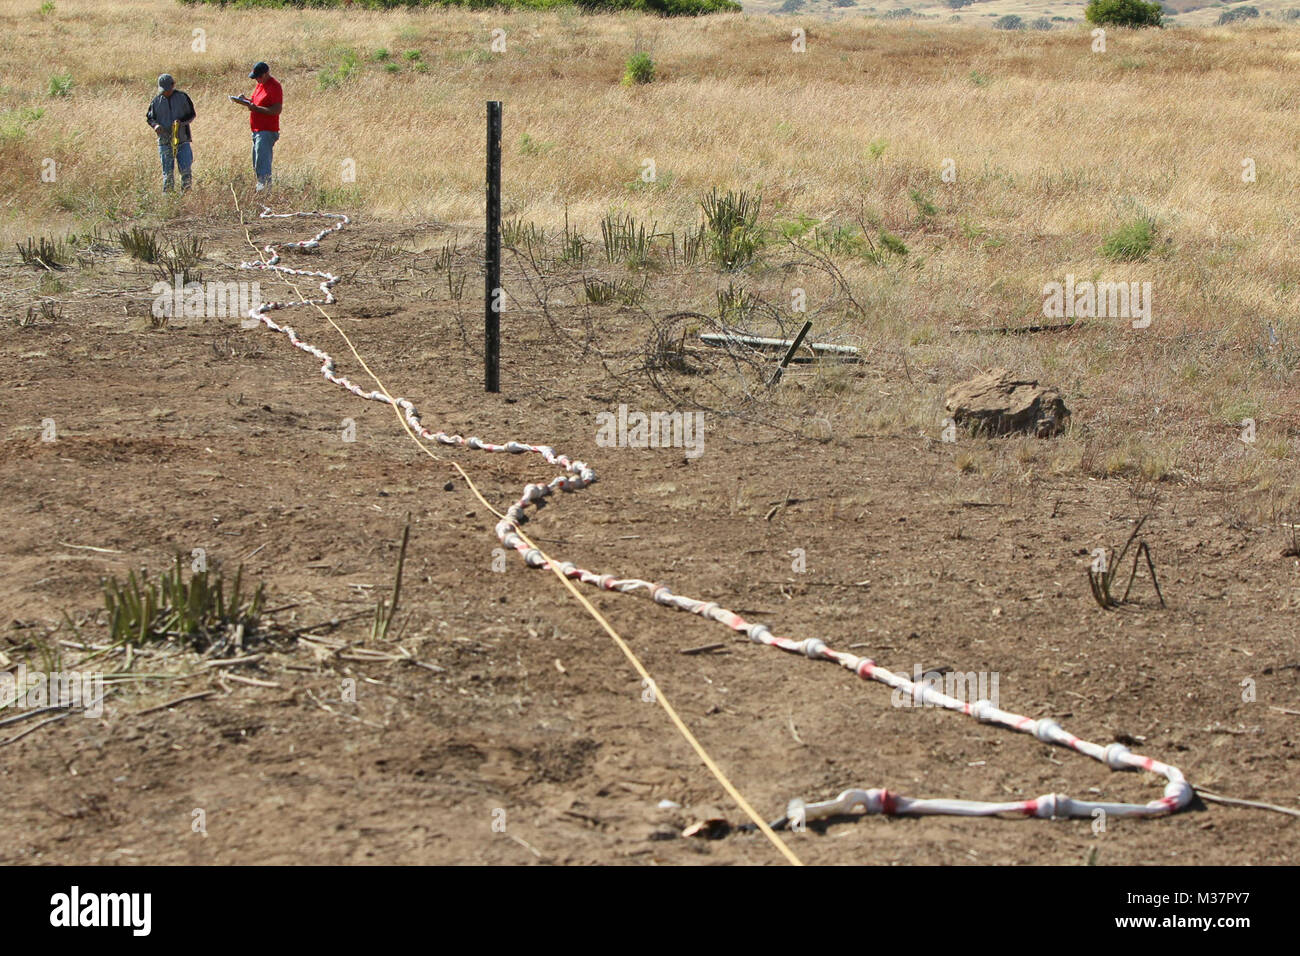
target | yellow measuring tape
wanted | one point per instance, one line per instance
(554, 566)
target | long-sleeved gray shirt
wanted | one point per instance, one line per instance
(178, 108)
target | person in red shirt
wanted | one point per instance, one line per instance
(264, 119)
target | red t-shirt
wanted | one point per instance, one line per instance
(268, 93)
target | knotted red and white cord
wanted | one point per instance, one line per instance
(578, 475)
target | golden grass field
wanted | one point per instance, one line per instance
(1054, 147)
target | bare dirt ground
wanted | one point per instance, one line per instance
(168, 442)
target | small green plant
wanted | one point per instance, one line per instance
(531, 147)
(51, 284)
(60, 84)
(517, 232)
(1131, 242)
(349, 66)
(140, 243)
(573, 248)
(188, 250)
(925, 209)
(410, 56)
(889, 245)
(381, 55)
(626, 240)
(876, 148)
(980, 79)
(797, 228)
(392, 68)
(838, 240)
(598, 291)
(622, 291)
(692, 246)
(386, 610)
(199, 611)
(639, 69)
(181, 259)
(91, 241)
(734, 303)
(47, 8)
(732, 221)
(972, 232)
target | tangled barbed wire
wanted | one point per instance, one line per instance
(641, 342)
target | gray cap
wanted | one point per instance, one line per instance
(165, 82)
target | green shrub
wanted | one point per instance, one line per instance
(732, 222)
(349, 66)
(890, 243)
(639, 69)
(198, 611)
(1009, 22)
(60, 84)
(626, 240)
(1124, 13)
(926, 210)
(1132, 242)
(1237, 15)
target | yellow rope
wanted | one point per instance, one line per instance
(554, 566)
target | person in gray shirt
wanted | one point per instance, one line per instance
(170, 115)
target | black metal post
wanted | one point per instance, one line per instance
(492, 294)
(790, 353)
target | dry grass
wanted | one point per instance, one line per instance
(1054, 147)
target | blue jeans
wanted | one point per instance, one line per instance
(184, 158)
(263, 146)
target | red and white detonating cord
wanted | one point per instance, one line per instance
(578, 475)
